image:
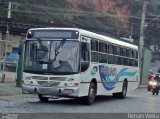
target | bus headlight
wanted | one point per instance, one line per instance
(72, 84)
(26, 81)
(27, 77)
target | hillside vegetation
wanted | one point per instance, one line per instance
(93, 13)
(116, 17)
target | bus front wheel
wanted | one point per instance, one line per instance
(42, 99)
(91, 94)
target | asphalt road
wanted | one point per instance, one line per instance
(138, 101)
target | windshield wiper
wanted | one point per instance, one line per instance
(58, 48)
(43, 47)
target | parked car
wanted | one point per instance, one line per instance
(11, 61)
(1, 58)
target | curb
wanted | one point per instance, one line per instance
(10, 94)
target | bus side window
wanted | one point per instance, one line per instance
(132, 54)
(84, 51)
(94, 51)
(123, 51)
(94, 45)
(111, 49)
(131, 62)
(84, 56)
(136, 54)
(125, 61)
(127, 52)
(117, 50)
(118, 60)
(102, 52)
(136, 63)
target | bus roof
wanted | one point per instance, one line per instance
(94, 35)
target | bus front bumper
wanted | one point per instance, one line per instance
(61, 91)
(29, 89)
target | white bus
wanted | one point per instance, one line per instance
(71, 62)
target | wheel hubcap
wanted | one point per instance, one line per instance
(92, 93)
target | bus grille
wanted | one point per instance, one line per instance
(50, 83)
(39, 77)
(57, 78)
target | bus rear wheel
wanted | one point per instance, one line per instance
(89, 100)
(124, 90)
(43, 99)
(122, 94)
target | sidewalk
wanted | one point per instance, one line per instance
(10, 77)
(7, 89)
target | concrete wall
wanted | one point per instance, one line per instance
(145, 65)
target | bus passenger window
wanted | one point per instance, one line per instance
(111, 49)
(136, 54)
(94, 57)
(102, 47)
(127, 52)
(132, 54)
(117, 50)
(131, 62)
(135, 63)
(111, 59)
(125, 61)
(118, 60)
(94, 45)
(123, 51)
(103, 58)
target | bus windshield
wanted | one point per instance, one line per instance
(52, 56)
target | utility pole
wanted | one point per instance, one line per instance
(141, 41)
(7, 31)
(131, 32)
(9, 10)
(7, 38)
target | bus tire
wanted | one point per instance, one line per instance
(42, 99)
(115, 95)
(122, 94)
(89, 100)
